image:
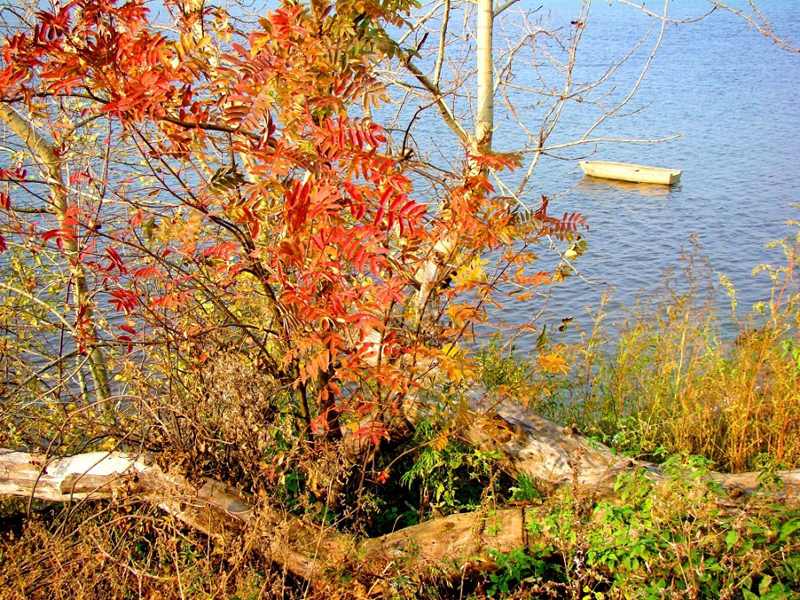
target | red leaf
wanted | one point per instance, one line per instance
(397, 201)
(124, 300)
(116, 260)
(61, 234)
(146, 272)
(79, 177)
(360, 258)
(222, 251)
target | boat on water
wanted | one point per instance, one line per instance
(627, 172)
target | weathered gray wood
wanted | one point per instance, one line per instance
(302, 548)
(210, 508)
(454, 539)
(93, 475)
(555, 455)
(559, 456)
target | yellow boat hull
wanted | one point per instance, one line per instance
(628, 172)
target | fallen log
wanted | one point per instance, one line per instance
(559, 456)
(529, 443)
(208, 508)
(541, 449)
(305, 549)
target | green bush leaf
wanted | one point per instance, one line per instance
(763, 587)
(731, 539)
(789, 528)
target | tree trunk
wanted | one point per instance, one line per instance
(215, 509)
(45, 152)
(485, 117)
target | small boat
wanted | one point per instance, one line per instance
(626, 172)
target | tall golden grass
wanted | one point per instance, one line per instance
(668, 379)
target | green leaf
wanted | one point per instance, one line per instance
(763, 587)
(789, 528)
(731, 539)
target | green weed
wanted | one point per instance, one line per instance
(672, 540)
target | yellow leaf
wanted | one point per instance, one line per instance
(471, 272)
(453, 350)
(553, 363)
(439, 443)
(456, 314)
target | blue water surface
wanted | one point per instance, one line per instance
(732, 96)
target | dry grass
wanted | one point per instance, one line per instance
(664, 382)
(123, 550)
(667, 380)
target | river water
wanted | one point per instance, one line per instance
(732, 94)
(734, 97)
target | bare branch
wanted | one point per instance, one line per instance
(504, 6)
(757, 19)
(437, 72)
(444, 110)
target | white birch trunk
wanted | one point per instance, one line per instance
(50, 163)
(485, 109)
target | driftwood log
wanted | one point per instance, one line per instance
(559, 456)
(304, 549)
(530, 444)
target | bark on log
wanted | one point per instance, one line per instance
(545, 451)
(456, 539)
(218, 510)
(559, 456)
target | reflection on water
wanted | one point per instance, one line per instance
(601, 188)
(727, 98)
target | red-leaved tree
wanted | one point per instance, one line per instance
(206, 188)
